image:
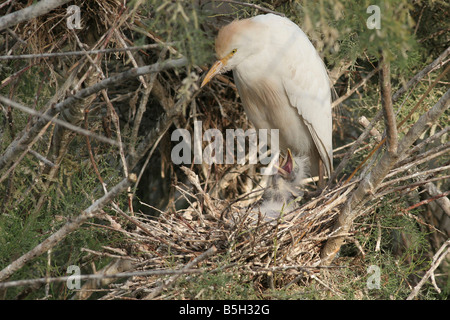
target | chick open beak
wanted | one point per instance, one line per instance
(215, 69)
(287, 165)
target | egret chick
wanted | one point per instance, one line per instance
(284, 191)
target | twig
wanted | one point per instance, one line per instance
(414, 109)
(438, 62)
(374, 132)
(427, 141)
(444, 202)
(377, 246)
(356, 87)
(80, 53)
(120, 36)
(149, 157)
(140, 112)
(414, 175)
(91, 156)
(418, 104)
(436, 197)
(193, 178)
(437, 259)
(409, 187)
(41, 158)
(27, 149)
(352, 150)
(414, 80)
(98, 276)
(205, 255)
(414, 161)
(15, 75)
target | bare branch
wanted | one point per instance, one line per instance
(378, 115)
(62, 123)
(424, 122)
(443, 202)
(27, 149)
(40, 8)
(438, 62)
(374, 132)
(371, 181)
(99, 276)
(388, 110)
(80, 53)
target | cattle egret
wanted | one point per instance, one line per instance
(282, 82)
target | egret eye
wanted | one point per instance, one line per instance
(233, 51)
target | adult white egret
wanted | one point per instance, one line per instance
(282, 82)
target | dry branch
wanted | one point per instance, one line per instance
(60, 122)
(443, 202)
(371, 181)
(353, 90)
(98, 276)
(388, 110)
(437, 63)
(31, 12)
(80, 53)
(374, 132)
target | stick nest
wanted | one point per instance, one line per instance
(290, 244)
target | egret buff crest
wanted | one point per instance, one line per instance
(282, 82)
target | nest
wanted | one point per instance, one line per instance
(209, 230)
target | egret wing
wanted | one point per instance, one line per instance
(307, 86)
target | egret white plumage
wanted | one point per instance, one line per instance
(282, 82)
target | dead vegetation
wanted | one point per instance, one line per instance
(108, 115)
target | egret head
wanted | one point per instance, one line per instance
(235, 43)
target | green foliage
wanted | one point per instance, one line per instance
(401, 253)
(179, 21)
(23, 226)
(340, 27)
